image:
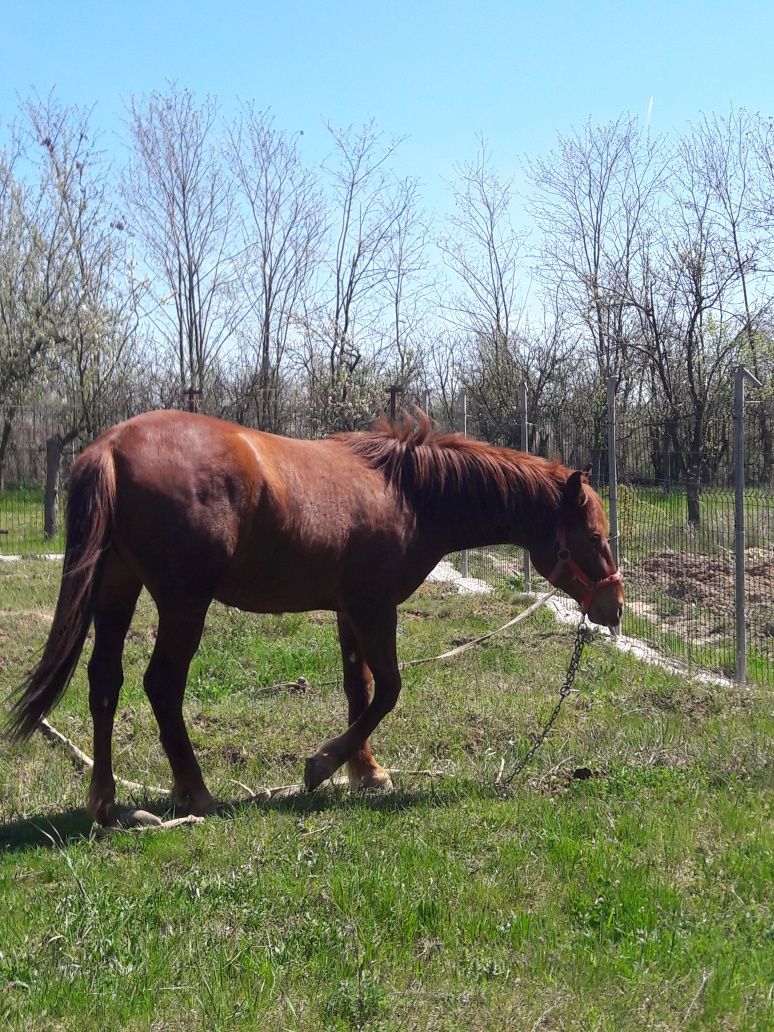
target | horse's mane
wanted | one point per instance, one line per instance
(424, 463)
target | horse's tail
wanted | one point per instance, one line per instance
(90, 509)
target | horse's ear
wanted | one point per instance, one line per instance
(573, 486)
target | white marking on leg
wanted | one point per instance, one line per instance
(353, 657)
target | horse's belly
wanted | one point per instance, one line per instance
(294, 593)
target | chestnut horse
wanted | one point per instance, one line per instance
(196, 509)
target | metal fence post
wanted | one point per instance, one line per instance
(393, 392)
(525, 447)
(464, 555)
(612, 469)
(741, 375)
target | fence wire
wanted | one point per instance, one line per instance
(676, 537)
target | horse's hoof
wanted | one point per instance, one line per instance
(316, 770)
(376, 781)
(102, 813)
(380, 786)
(202, 807)
(199, 804)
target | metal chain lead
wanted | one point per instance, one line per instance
(583, 636)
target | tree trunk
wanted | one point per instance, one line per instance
(4, 440)
(656, 453)
(54, 449)
(766, 448)
(598, 473)
(694, 512)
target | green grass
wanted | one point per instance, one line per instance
(647, 514)
(21, 523)
(640, 896)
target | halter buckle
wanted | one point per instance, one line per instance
(564, 558)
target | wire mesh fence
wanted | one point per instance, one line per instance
(678, 545)
(23, 478)
(676, 530)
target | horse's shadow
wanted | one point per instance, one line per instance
(73, 826)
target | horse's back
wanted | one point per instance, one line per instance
(260, 521)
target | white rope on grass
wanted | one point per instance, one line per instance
(482, 637)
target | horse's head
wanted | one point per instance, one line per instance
(575, 555)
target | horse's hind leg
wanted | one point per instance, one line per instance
(179, 634)
(114, 607)
(363, 769)
(375, 632)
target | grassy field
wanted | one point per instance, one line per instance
(625, 883)
(21, 523)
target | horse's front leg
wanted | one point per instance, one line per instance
(367, 641)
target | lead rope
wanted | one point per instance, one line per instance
(583, 636)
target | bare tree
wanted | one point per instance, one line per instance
(591, 197)
(724, 152)
(444, 360)
(94, 306)
(33, 246)
(19, 272)
(367, 208)
(687, 300)
(181, 206)
(282, 225)
(406, 291)
(763, 193)
(551, 357)
(484, 253)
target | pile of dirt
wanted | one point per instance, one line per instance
(692, 579)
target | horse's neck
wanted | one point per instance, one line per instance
(468, 516)
(460, 529)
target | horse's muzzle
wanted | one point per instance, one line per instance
(605, 605)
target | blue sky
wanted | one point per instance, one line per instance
(440, 73)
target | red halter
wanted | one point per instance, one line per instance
(564, 558)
